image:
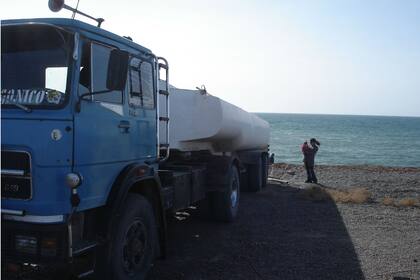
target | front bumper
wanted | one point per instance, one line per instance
(24, 242)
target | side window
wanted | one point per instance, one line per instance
(135, 83)
(146, 74)
(141, 84)
(99, 63)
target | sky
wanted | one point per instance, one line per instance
(326, 57)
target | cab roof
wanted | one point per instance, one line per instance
(76, 25)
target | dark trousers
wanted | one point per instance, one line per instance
(311, 173)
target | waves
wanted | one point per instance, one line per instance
(355, 140)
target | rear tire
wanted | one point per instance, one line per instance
(135, 240)
(256, 176)
(225, 205)
(265, 167)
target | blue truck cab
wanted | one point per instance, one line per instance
(51, 136)
(86, 183)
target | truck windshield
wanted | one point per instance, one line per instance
(35, 63)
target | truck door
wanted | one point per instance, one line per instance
(142, 108)
(102, 133)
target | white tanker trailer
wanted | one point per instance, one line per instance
(202, 122)
(225, 145)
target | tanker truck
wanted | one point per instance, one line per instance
(97, 149)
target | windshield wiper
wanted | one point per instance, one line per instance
(23, 107)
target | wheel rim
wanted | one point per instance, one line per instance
(234, 193)
(134, 247)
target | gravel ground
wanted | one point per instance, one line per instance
(281, 235)
(386, 240)
(393, 182)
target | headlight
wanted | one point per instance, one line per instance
(73, 180)
(26, 244)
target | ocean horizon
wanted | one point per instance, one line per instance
(346, 139)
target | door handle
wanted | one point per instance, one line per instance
(124, 125)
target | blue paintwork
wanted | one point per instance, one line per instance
(51, 161)
(95, 146)
(83, 28)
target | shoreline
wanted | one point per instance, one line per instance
(362, 165)
(337, 114)
(382, 182)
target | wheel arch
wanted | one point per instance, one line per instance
(140, 179)
(150, 187)
(236, 162)
(217, 176)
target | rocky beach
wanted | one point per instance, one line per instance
(392, 184)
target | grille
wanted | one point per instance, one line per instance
(16, 179)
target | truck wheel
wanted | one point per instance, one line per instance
(135, 242)
(225, 204)
(255, 176)
(264, 158)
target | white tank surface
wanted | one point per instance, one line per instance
(200, 121)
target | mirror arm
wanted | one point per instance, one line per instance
(81, 97)
(76, 46)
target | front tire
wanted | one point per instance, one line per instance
(134, 245)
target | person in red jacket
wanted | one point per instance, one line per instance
(305, 147)
(309, 152)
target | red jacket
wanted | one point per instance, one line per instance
(305, 148)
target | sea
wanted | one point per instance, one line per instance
(346, 140)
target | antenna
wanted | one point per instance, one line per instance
(57, 5)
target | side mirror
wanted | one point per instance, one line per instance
(116, 75)
(117, 70)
